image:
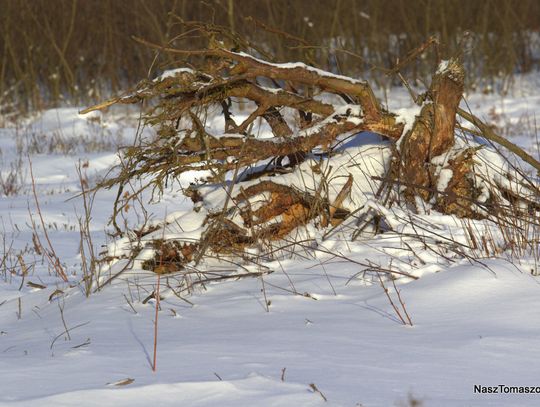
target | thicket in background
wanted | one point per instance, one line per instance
(54, 51)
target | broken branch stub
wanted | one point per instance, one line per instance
(433, 131)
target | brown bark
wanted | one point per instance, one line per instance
(299, 73)
(205, 151)
(293, 207)
(433, 131)
(285, 208)
(459, 194)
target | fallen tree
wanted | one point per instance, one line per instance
(310, 169)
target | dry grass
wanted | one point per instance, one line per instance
(12, 179)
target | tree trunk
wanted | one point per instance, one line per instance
(432, 134)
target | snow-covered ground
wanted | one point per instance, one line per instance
(304, 334)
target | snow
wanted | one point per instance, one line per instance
(443, 66)
(248, 391)
(327, 324)
(293, 65)
(170, 73)
(445, 175)
(407, 116)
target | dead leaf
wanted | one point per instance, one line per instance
(123, 382)
(36, 285)
(55, 293)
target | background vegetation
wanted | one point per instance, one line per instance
(54, 51)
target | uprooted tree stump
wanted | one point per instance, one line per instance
(309, 113)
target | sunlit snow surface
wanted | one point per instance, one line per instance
(474, 324)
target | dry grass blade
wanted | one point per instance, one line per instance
(50, 253)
